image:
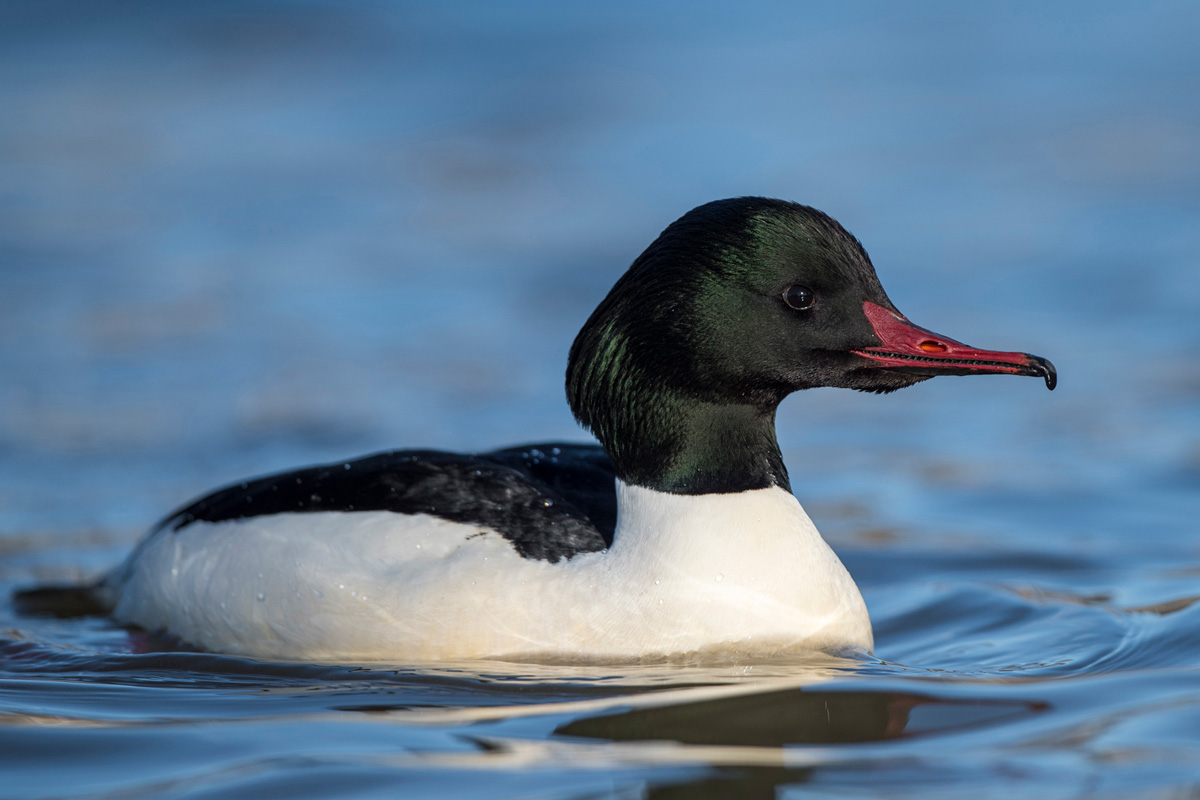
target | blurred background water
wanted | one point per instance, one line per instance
(240, 237)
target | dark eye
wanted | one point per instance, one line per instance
(798, 297)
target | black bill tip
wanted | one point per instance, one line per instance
(1043, 367)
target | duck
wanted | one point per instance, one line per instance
(676, 536)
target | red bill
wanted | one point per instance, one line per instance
(910, 348)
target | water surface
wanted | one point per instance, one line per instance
(237, 238)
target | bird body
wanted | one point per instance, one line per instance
(722, 574)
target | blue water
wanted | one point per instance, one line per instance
(240, 237)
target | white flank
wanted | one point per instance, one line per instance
(726, 574)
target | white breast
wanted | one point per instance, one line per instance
(738, 573)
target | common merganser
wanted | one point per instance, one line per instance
(678, 535)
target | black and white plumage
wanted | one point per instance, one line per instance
(680, 536)
(550, 501)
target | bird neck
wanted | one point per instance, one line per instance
(683, 445)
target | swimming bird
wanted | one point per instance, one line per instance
(678, 535)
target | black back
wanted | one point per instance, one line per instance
(551, 501)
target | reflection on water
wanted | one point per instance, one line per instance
(770, 719)
(240, 237)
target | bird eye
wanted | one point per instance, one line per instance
(798, 297)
